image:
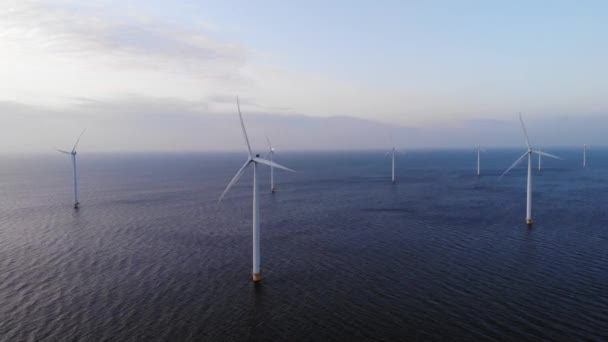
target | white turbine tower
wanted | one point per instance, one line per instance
(392, 153)
(479, 151)
(478, 160)
(540, 161)
(253, 161)
(271, 155)
(393, 165)
(529, 155)
(584, 155)
(73, 154)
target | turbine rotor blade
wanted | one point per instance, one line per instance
(523, 126)
(238, 105)
(78, 140)
(234, 180)
(547, 155)
(269, 144)
(273, 164)
(62, 151)
(515, 164)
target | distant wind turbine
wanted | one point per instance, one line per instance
(540, 161)
(73, 154)
(271, 155)
(393, 166)
(478, 160)
(479, 151)
(254, 161)
(392, 152)
(584, 155)
(529, 155)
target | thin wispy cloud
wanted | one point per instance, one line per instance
(62, 51)
(92, 32)
(59, 52)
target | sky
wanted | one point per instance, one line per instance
(163, 75)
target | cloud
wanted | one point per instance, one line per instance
(152, 124)
(53, 53)
(90, 32)
(57, 54)
(136, 123)
(154, 85)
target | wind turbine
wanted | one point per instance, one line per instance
(540, 162)
(478, 160)
(584, 155)
(393, 165)
(271, 155)
(479, 152)
(73, 154)
(253, 161)
(392, 152)
(529, 155)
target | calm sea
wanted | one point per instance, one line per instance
(346, 255)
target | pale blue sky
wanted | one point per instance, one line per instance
(345, 38)
(400, 63)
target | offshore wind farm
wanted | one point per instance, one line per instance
(321, 171)
(152, 245)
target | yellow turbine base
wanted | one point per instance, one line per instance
(529, 222)
(257, 277)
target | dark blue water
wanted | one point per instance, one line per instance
(345, 255)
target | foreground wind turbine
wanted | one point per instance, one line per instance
(73, 154)
(271, 155)
(253, 161)
(529, 155)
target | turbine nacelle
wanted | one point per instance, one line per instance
(529, 151)
(73, 151)
(251, 159)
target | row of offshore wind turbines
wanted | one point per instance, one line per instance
(254, 160)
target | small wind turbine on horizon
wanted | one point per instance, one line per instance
(253, 161)
(392, 152)
(528, 154)
(478, 160)
(540, 161)
(584, 156)
(73, 154)
(271, 155)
